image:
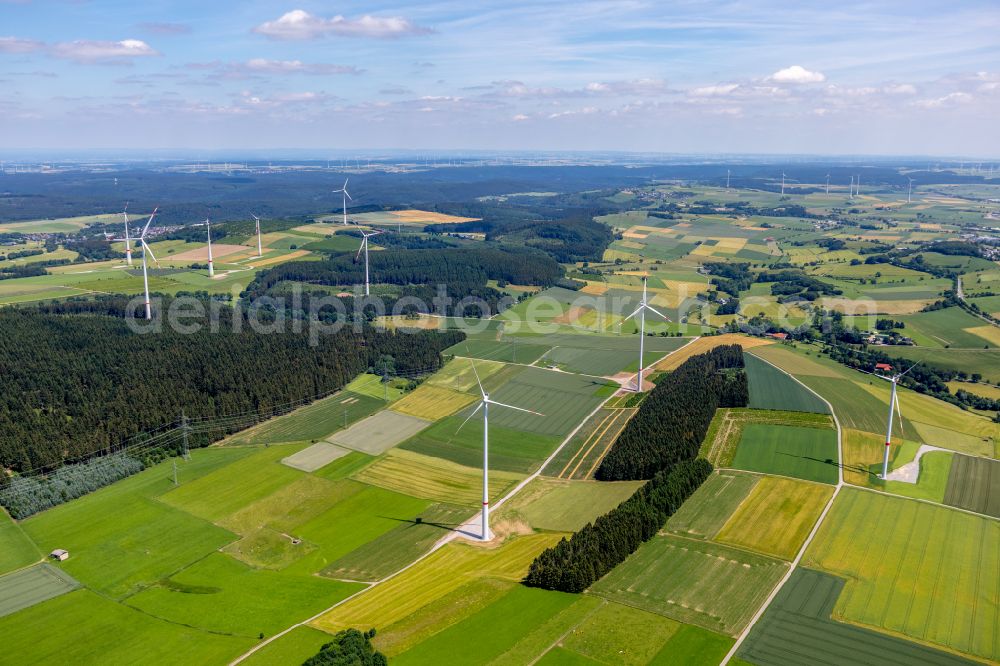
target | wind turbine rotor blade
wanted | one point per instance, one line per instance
(652, 309)
(148, 222)
(478, 381)
(520, 409)
(637, 311)
(363, 243)
(146, 248)
(909, 368)
(348, 195)
(478, 407)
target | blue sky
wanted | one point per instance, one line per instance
(913, 77)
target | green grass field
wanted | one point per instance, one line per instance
(726, 429)
(565, 506)
(944, 328)
(703, 514)
(804, 453)
(121, 539)
(401, 545)
(511, 450)
(225, 491)
(617, 634)
(776, 517)
(511, 350)
(459, 375)
(435, 479)
(95, 630)
(710, 585)
(796, 630)
(492, 631)
(222, 595)
(931, 576)
(974, 484)
(432, 402)
(34, 585)
(315, 421)
(984, 361)
(293, 648)
(16, 549)
(771, 388)
(693, 645)
(353, 522)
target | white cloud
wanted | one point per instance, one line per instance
(520, 117)
(297, 67)
(300, 25)
(715, 91)
(796, 74)
(900, 89)
(94, 51)
(951, 99)
(18, 45)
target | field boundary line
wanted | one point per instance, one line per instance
(812, 534)
(593, 468)
(586, 441)
(593, 440)
(924, 501)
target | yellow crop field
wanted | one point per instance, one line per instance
(989, 332)
(445, 570)
(289, 256)
(432, 402)
(458, 374)
(777, 516)
(702, 345)
(428, 217)
(435, 478)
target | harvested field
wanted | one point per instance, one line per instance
(565, 506)
(200, 254)
(379, 433)
(704, 344)
(581, 456)
(805, 453)
(28, 587)
(316, 456)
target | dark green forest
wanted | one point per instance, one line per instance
(82, 383)
(672, 420)
(660, 444)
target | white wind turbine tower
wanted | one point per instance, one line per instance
(145, 249)
(211, 265)
(827, 183)
(727, 179)
(909, 190)
(484, 405)
(859, 185)
(128, 241)
(260, 251)
(893, 405)
(782, 183)
(347, 196)
(641, 311)
(364, 246)
(851, 191)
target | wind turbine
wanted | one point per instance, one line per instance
(145, 249)
(211, 265)
(893, 404)
(364, 246)
(128, 241)
(641, 311)
(347, 196)
(727, 179)
(484, 405)
(260, 251)
(827, 183)
(909, 190)
(782, 183)
(859, 185)
(851, 191)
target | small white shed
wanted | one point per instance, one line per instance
(59, 554)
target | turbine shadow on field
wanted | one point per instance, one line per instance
(448, 527)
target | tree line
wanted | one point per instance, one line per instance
(83, 383)
(662, 447)
(671, 422)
